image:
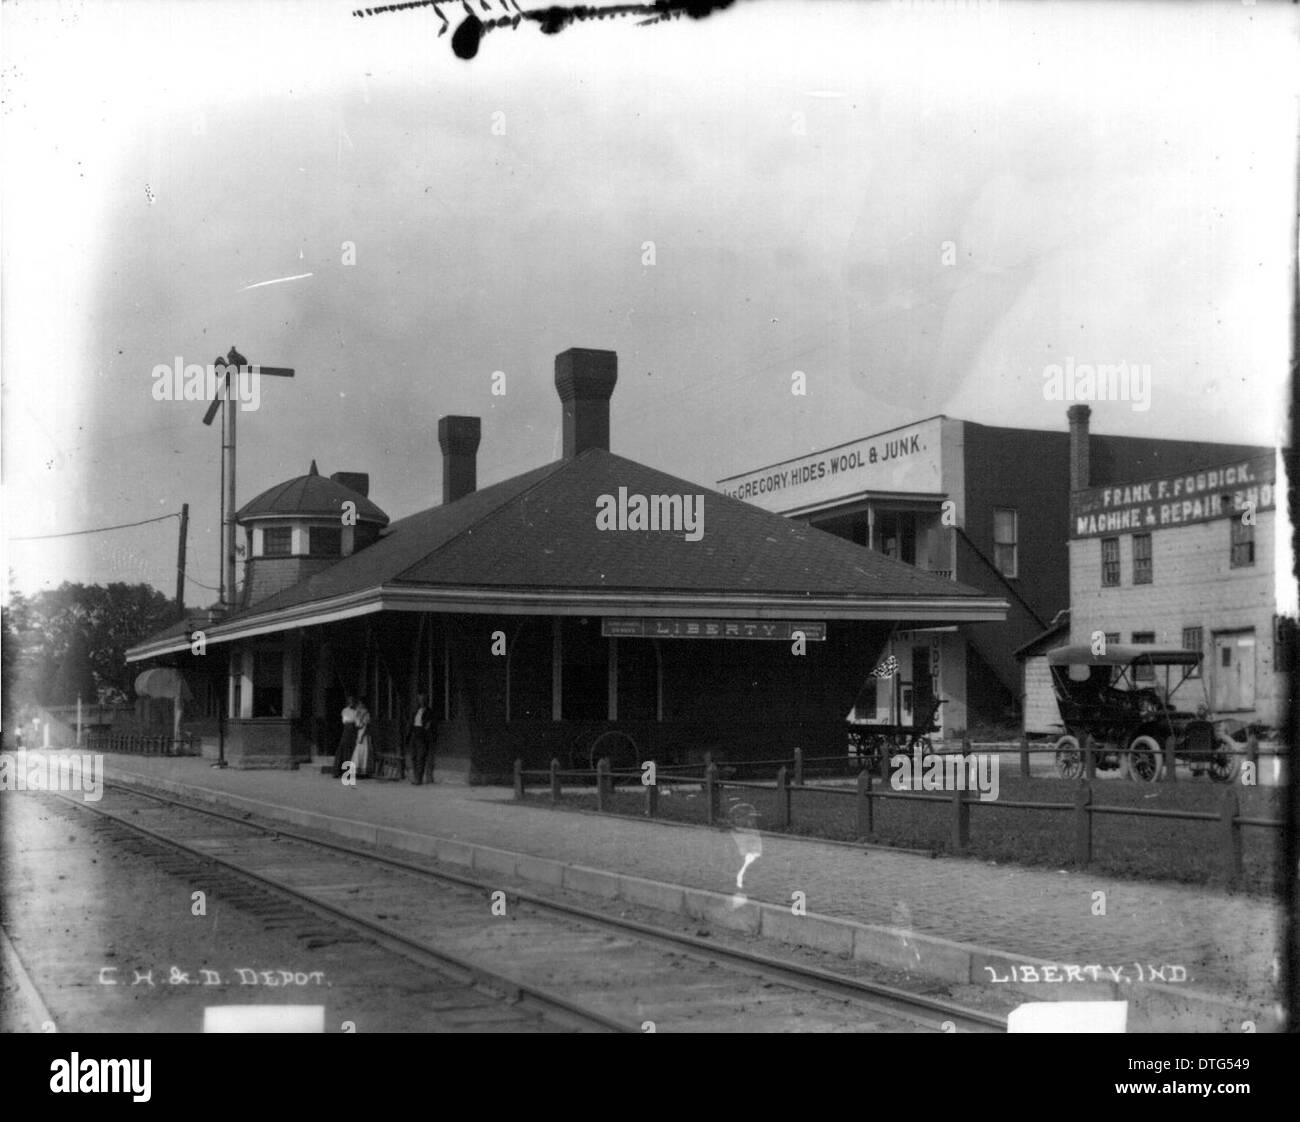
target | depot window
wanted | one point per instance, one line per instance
(1141, 558)
(1004, 541)
(268, 684)
(1110, 562)
(277, 541)
(1243, 543)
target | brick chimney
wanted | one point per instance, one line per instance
(459, 437)
(585, 380)
(1080, 470)
(358, 481)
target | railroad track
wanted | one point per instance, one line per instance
(611, 973)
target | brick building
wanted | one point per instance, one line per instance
(985, 505)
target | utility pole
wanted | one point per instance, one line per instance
(180, 561)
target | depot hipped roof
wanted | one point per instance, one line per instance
(531, 545)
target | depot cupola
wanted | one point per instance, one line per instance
(306, 524)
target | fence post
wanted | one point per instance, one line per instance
(864, 804)
(602, 777)
(555, 780)
(1252, 753)
(652, 798)
(798, 767)
(710, 791)
(1090, 757)
(1171, 761)
(1231, 833)
(782, 799)
(1083, 824)
(519, 777)
(1024, 756)
(960, 819)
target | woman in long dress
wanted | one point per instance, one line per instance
(361, 753)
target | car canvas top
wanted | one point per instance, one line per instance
(1117, 655)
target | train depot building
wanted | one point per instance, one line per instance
(587, 597)
(987, 506)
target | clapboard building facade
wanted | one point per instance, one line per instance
(1186, 558)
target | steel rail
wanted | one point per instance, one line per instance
(388, 936)
(806, 977)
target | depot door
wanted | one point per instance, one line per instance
(1233, 674)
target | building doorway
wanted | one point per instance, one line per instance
(1233, 675)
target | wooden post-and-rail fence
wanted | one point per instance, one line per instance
(142, 744)
(1228, 820)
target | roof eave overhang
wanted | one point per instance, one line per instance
(297, 515)
(477, 601)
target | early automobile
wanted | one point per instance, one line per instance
(1125, 700)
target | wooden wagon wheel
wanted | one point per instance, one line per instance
(619, 746)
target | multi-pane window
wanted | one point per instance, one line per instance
(277, 541)
(1243, 543)
(895, 534)
(268, 684)
(1109, 562)
(1285, 634)
(326, 541)
(1144, 672)
(1194, 640)
(1141, 558)
(1004, 541)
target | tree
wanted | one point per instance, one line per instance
(8, 670)
(73, 639)
(74, 678)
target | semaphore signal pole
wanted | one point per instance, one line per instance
(233, 365)
(180, 561)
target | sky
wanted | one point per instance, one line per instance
(920, 207)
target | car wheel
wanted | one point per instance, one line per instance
(1225, 763)
(1145, 759)
(1069, 758)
